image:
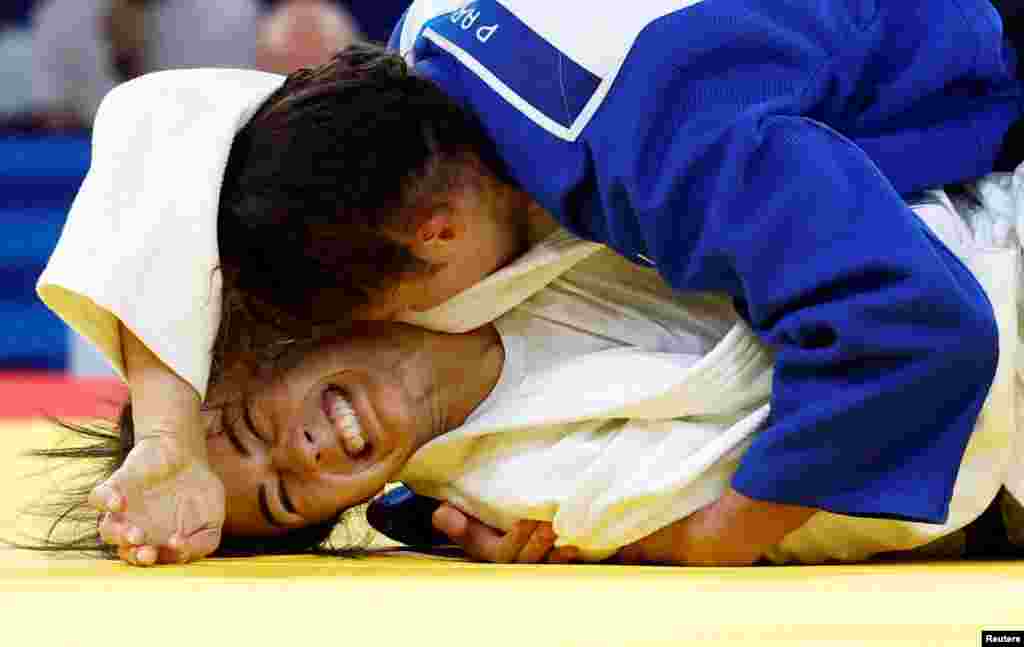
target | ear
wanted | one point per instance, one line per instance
(436, 237)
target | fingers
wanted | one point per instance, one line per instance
(539, 547)
(130, 542)
(451, 521)
(138, 555)
(564, 555)
(181, 548)
(509, 547)
(528, 542)
(195, 539)
(173, 553)
(478, 540)
(539, 542)
(116, 531)
(151, 555)
(105, 498)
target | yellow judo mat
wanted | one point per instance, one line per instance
(408, 599)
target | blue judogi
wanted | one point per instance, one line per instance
(764, 148)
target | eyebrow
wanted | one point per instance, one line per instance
(265, 508)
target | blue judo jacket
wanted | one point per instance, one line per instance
(765, 149)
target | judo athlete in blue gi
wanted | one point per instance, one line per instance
(760, 149)
(763, 149)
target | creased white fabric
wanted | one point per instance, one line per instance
(592, 452)
(996, 218)
(140, 242)
(595, 363)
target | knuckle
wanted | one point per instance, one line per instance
(100, 496)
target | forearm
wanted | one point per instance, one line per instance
(762, 523)
(164, 401)
(885, 344)
(735, 530)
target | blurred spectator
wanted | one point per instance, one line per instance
(83, 48)
(376, 18)
(303, 33)
(15, 59)
(15, 55)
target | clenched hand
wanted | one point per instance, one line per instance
(164, 505)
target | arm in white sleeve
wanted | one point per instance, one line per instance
(140, 245)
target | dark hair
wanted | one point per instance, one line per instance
(75, 526)
(331, 160)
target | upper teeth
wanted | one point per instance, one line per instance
(344, 418)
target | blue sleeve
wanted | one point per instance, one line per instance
(886, 345)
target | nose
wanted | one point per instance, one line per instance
(305, 451)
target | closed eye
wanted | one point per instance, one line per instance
(286, 500)
(265, 507)
(229, 431)
(250, 426)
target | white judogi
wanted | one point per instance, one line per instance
(621, 408)
(632, 433)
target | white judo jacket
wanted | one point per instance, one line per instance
(609, 447)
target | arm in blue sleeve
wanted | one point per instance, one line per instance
(886, 345)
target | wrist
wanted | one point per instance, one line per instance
(765, 522)
(163, 404)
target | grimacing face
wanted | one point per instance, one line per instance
(281, 452)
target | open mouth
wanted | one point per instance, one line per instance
(343, 418)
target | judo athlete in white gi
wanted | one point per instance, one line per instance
(763, 152)
(621, 408)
